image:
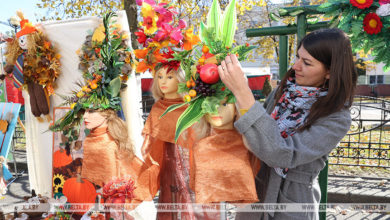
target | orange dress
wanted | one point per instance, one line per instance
(102, 161)
(224, 169)
(174, 159)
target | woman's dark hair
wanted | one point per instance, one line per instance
(332, 48)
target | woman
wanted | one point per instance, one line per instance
(309, 115)
(160, 144)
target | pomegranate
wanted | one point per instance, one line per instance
(209, 73)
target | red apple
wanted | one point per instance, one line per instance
(209, 73)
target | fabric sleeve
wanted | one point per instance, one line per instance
(264, 139)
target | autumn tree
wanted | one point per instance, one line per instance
(64, 9)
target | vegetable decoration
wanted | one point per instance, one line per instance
(204, 90)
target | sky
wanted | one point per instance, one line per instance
(8, 8)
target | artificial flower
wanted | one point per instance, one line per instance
(172, 65)
(141, 53)
(141, 37)
(119, 190)
(142, 67)
(147, 10)
(164, 15)
(190, 39)
(182, 24)
(98, 34)
(361, 3)
(150, 25)
(372, 24)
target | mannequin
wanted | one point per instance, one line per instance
(229, 177)
(159, 143)
(108, 154)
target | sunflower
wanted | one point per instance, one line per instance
(58, 180)
(372, 24)
(58, 189)
(361, 3)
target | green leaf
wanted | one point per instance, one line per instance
(191, 115)
(172, 108)
(115, 86)
(229, 24)
(182, 88)
(211, 105)
(203, 33)
(213, 19)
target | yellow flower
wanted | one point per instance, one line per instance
(80, 94)
(147, 10)
(98, 35)
(72, 105)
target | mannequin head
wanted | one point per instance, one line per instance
(225, 117)
(116, 127)
(223, 120)
(94, 119)
(165, 84)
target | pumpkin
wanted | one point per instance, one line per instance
(60, 158)
(79, 190)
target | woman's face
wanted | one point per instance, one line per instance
(168, 83)
(225, 117)
(94, 119)
(308, 70)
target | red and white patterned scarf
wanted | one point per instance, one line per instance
(293, 107)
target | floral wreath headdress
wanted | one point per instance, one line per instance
(106, 62)
(162, 35)
(204, 89)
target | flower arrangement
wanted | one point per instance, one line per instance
(204, 90)
(367, 22)
(106, 61)
(162, 34)
(119, 190)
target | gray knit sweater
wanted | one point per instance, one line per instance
(304, 154)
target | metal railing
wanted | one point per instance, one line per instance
(367, 144)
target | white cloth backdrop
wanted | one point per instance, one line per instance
(68, 36)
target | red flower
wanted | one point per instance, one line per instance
(372, 24)
(172, 65)
(118, 190)
(361, 3)
(148, 22)
(141, 37)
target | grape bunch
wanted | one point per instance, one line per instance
(203, 88)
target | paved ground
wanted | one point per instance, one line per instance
(341, 190)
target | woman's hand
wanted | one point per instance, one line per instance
(233, 77)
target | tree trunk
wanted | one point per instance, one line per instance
(130, 7)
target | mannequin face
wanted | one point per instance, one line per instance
(94, 119)
(23, 42)
(168, 83)
(225, 117)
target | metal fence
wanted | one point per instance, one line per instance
(367, 144)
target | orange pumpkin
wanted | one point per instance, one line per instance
(78, 190)
(60, 158)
